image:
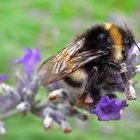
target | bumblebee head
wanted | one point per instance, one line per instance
(117, 40)
(122, 41)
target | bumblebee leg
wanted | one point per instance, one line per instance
(130, 91)
(114, 65)
(91, 89)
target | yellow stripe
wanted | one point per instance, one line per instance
(107, 25)
(117, 39)
(79, 75)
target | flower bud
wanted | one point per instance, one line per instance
(24, 107)
(2, 128)
(47, 123)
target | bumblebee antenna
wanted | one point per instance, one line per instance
(130, 34)
(136, 45)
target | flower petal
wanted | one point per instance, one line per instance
(108, 109)
(3, 77)
(29, 60)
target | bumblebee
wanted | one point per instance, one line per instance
(92, 59)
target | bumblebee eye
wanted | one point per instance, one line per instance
(126, 41)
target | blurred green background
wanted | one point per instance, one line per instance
(50, 25)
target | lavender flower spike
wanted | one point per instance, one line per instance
(137, 69)
(134, 50)
(3, 77)
(2, 128)
(30, 58)
(108, 109)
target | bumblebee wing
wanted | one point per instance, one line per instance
(66, 62)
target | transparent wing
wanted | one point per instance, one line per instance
(65, 62)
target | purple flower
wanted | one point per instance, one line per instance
(137, 68)
(3, 77)
(30, 58)
(134, 50)
(108, 109)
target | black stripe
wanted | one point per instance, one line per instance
(72, 83)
